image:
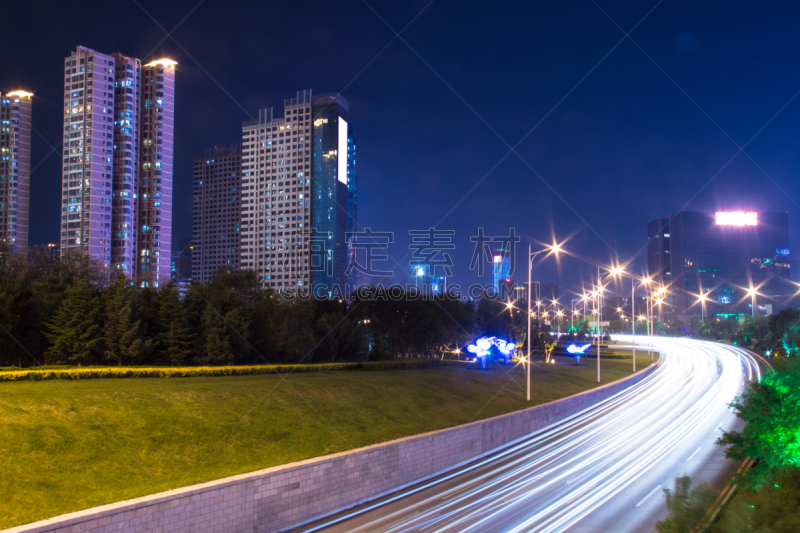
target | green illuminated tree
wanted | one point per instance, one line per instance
(771, 411)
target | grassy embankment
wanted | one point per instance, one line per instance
(71, 445)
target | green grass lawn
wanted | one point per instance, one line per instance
(71, 445)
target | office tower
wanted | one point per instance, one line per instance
(154, 242)
(722, 254)
(501, 268)
(117, 173)
(15, 169)
(658, 251)
(217, 211)
(297, 194)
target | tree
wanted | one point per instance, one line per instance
(215, 348)
(686, 505)
(771, 435)
(76, 332)
(174, 338)
(123, 334)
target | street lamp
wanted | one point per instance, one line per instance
(645, 281)
(702, 301)
(752, 292)
(531, 256)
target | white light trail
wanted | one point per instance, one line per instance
(555, 477)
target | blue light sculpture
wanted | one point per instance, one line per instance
(482, 347)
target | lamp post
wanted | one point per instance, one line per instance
(531, 256)
(645, 281)
(572, 318)
(702, 301)
(598, 319)
(650, 328)
(752, 292)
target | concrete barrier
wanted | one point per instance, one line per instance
(280, 497)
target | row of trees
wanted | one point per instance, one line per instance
(56, 311)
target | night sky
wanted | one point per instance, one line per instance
(632, 138)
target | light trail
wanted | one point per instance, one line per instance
(555, 477)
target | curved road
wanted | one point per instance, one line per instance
(600, 470)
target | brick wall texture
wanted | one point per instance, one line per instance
(281, 497)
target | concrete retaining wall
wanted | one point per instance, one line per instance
(280, 497)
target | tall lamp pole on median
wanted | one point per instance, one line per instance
(752, 292)
(645, 281)
(702, 301)
(531, 256)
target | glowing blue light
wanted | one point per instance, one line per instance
(577, 350)
(482, 346)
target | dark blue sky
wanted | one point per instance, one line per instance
(626, 145)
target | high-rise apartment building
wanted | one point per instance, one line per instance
(217, 211)
(15, 169)
(127, 162)
(299, 194)
(156, 187)
(117, 172)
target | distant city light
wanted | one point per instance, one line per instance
(736, 218)
(498, 258)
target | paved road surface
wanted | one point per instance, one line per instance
(600, 470)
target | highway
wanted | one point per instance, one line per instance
(600, 470)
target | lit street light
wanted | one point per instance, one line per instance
(702, 301)
(531, 256)
(752, 292)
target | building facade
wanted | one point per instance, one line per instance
(299, 195)
(126, 163)
(217, 212)
(117, 163)
(722, 255)
(154, 243)
(15, 169)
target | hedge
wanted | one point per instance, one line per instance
(207, 371)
